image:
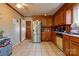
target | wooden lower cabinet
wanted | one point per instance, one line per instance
(74, 46)
(46, 36)
(70, 45)
(53, 37)
(66, 45)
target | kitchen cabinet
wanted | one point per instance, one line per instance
(53, 37)
(71, 45)
(46, 20)
(59, 19)
(46, 36)
(64, 15)
(55, 21)
(49, 22)
(68, 16)
(74, 46)
(66, 45)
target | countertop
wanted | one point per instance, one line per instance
(4, 38)
(70, 34)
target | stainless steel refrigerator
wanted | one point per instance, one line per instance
(36, 31)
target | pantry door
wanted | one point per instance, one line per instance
(28, 29)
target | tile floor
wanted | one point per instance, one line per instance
(27, 48)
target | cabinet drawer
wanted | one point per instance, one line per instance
(74, 48)
(66, 37)
(75, 39)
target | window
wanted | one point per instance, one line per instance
(76, 14)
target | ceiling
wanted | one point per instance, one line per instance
(37, 8)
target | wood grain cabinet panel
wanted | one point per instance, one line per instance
(59, 19)
(46, 20)
(71, 45)
(46, 36)
(74, 46)
(53, 37)
(66, 45)
(63, 15)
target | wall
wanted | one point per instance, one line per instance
(7, 23)
(23, 29)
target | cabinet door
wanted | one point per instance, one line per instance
(55, 20)
(66, 45)
(48, 22)
(28, 30)
(46, 36)
(68, 16)
(53, 37)
(62, 18)
(74, 48)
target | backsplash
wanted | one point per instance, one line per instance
(59, 28)
(46, 29)
(75, 27)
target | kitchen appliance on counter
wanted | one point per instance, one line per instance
(36, 31)
(59, 41)
(59, 28)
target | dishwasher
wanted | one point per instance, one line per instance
(59, 41)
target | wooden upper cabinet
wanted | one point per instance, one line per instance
(62, 20)
(59, 19)
(46, 20)
(68, 16)
(64, 15)
(55, 20)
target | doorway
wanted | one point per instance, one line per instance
(28, 30)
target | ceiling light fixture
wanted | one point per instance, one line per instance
(19, 6)
(45, 14)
